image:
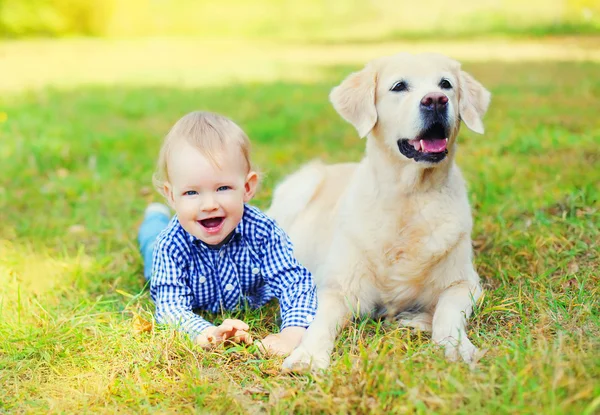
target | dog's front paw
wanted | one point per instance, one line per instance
(461, 350)
(302, 360)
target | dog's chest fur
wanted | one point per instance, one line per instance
(420, 232)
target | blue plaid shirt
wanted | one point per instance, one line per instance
(255, 265)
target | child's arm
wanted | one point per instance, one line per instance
(173, 299)
(293, 285)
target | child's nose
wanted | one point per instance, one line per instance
(208, 203)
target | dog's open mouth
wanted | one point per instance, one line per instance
(430, 146)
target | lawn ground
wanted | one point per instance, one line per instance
(80, 126)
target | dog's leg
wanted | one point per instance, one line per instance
(450, 319)
(420, 321)
(345, 288)
(317, 343)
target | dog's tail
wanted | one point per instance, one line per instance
(291, 196)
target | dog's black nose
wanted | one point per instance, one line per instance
(434, 101)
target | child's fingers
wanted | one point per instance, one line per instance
(206, 342)
(222, 332)
(237, 324)
(202, 340)
(266, 345)
(262, 348)
(243, 336)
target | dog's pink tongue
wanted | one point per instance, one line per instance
(436, 145)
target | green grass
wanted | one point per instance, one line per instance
(76, 176)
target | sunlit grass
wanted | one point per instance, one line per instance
(76, 167)
(188, 63)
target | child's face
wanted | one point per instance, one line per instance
(209, 200)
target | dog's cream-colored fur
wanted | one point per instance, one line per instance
(388, 231)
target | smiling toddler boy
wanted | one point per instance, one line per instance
(219, 252)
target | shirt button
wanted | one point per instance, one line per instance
(255, 271)
(309, 319)
(222, 254)
(229, 287)
(202, 280)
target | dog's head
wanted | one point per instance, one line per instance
(413, 103)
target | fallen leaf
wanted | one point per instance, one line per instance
(141, 325)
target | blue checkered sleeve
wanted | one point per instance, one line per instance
(290, 282)
(170, 291)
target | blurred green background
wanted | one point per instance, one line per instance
(324, 20)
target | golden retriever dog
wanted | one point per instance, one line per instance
(394, 230)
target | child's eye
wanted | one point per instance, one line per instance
(190, 193)
(221, 188)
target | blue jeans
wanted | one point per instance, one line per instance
(153, 224)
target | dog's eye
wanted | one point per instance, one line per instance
(399, 86)
(445, 84)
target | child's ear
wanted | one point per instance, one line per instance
(168, 191)
(250, 186)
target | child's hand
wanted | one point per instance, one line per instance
(231, 329)
(283, 343)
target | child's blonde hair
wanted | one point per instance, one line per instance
(208, 132)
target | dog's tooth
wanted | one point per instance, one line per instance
(422, 146)
(446, 140)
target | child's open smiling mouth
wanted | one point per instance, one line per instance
(212, 225)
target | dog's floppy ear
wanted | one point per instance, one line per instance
(354, 100)
(473, 103)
